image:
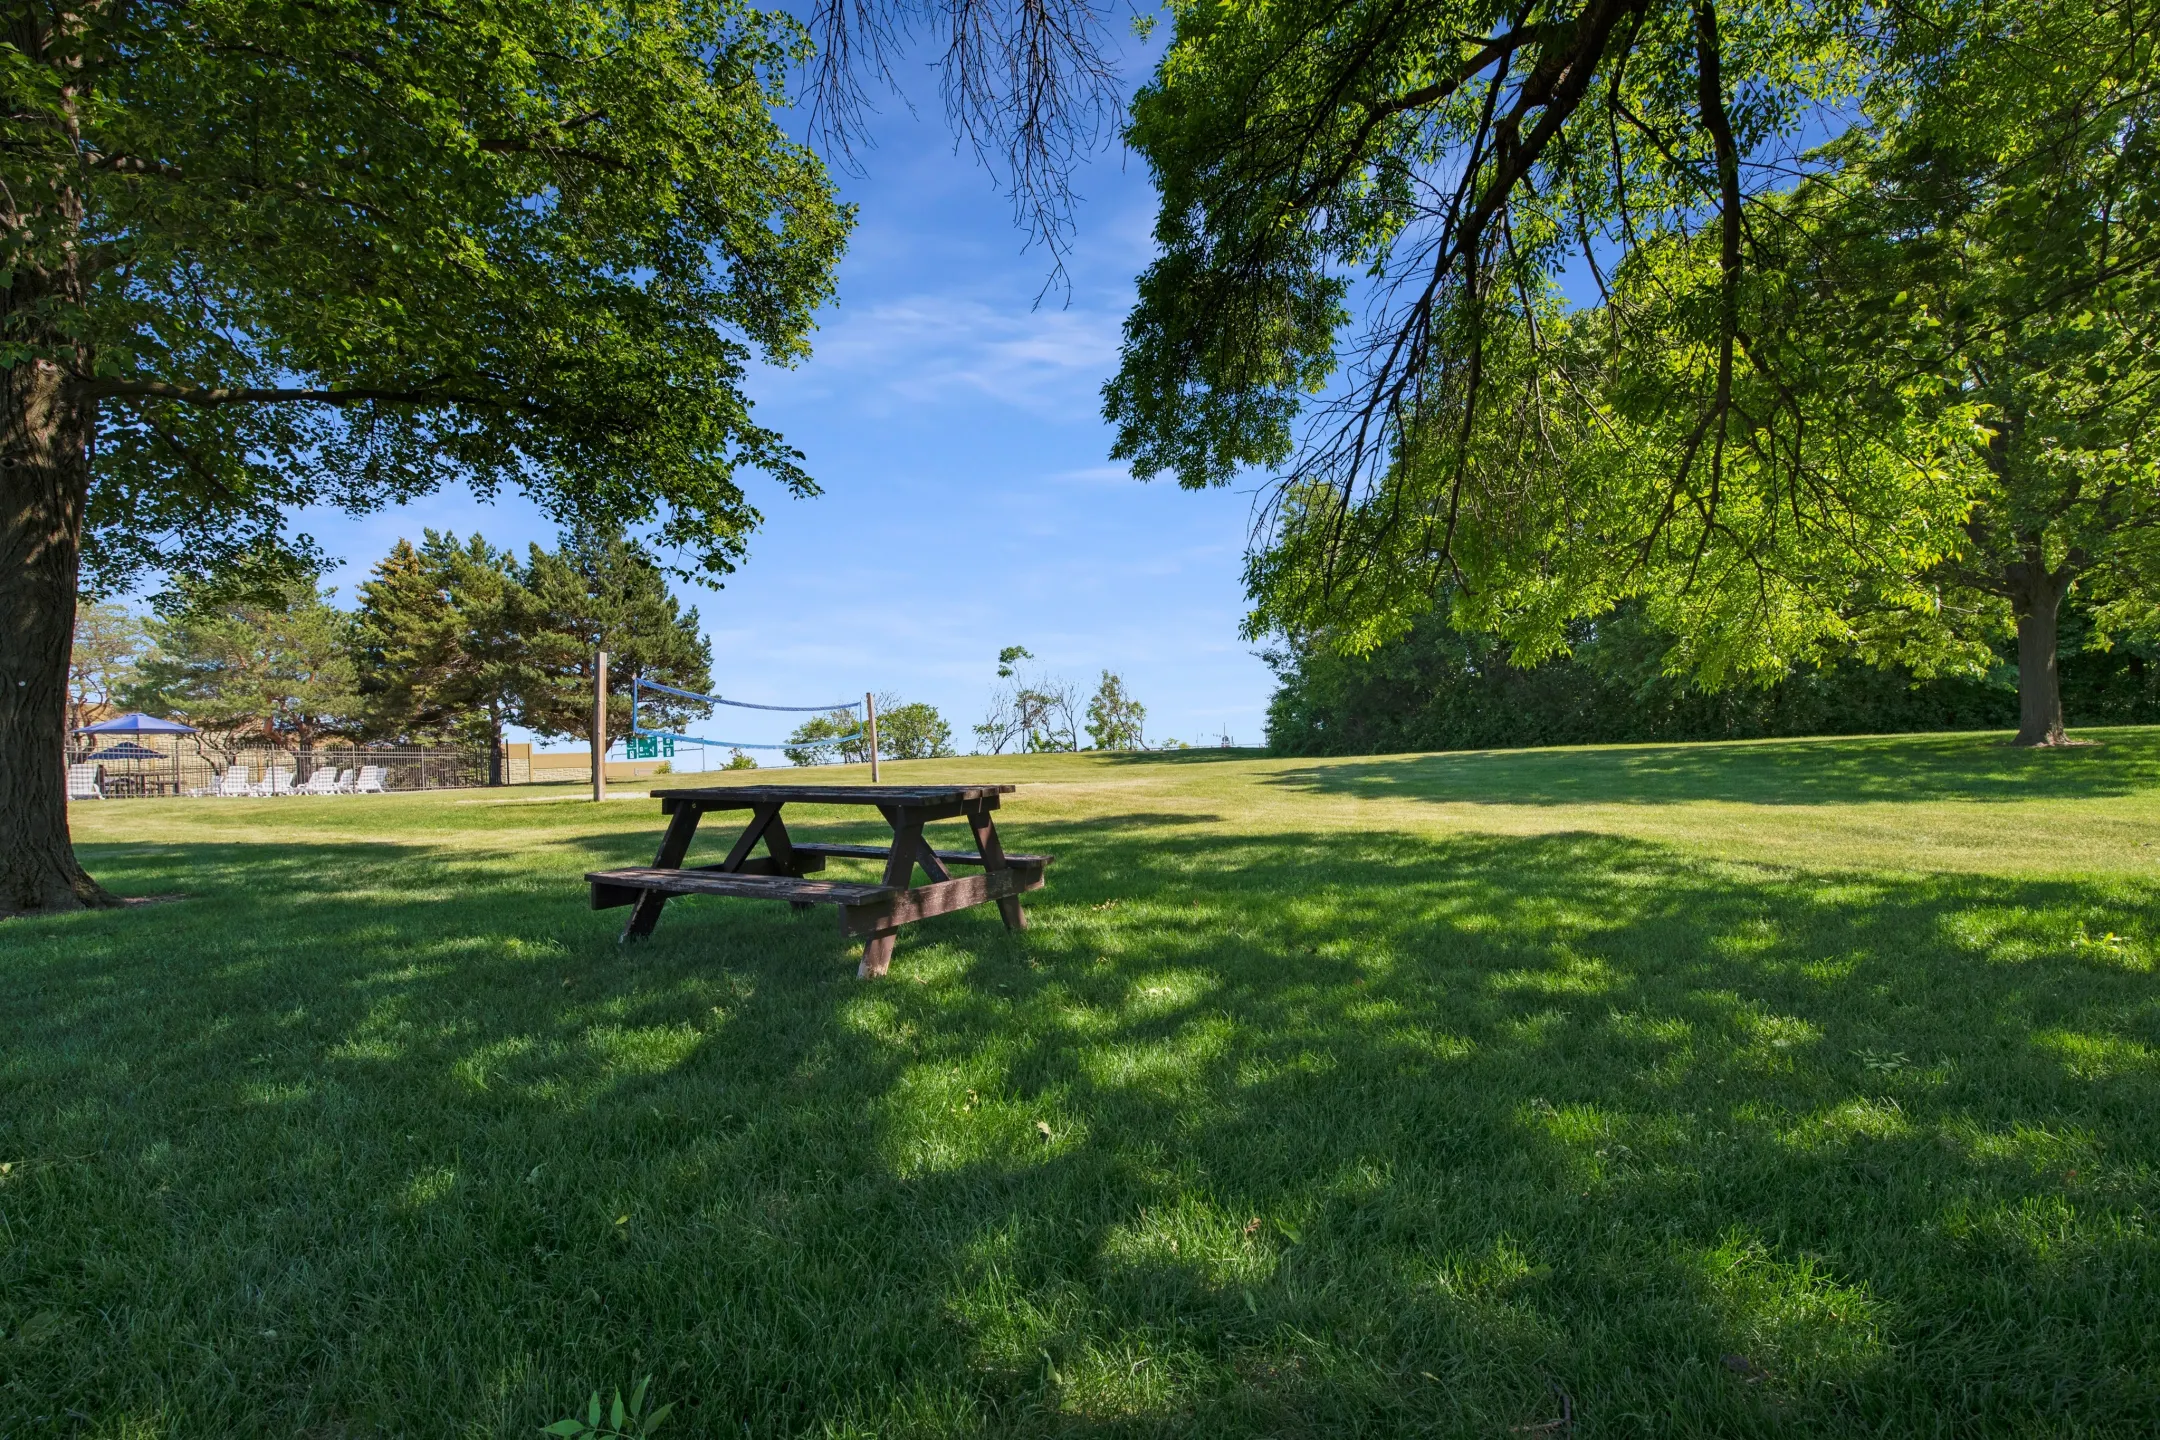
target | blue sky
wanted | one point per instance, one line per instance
(969, 500)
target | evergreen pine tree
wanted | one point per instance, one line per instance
(607, 593)
(443, 644)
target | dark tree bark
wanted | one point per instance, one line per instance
(46, 423)
(44, 484)
(495, 744)
(2036, 599)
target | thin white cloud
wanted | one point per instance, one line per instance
(929, 349)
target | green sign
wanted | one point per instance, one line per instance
(648, 747)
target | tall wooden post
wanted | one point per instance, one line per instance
(869, 710)
(599, 726)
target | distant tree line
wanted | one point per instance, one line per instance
(906, 730)
(451, 642)
(1439, 689)
(1034, 711)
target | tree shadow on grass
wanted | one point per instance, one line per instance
(1189, 755)
(1842, 770)
(1292, 1134)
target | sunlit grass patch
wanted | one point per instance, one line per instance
(1668, 1089)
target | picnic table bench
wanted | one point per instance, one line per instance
(875, 912)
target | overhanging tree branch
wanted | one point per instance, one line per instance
(218, 395)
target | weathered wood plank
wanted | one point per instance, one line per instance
(869, 917)
(742, 797)
(880, 852)
(765, 865)
(757, 887)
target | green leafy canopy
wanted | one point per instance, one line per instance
(345, 253)
(1757, 430)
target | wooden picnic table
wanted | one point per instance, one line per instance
(875, 912)
(124, 785)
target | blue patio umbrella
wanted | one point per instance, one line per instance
(137, 723)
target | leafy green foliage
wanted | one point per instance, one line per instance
(347, 254)
(623, 1422)
(2004, 238)
(606, 592)
(912, 730)
(1029, 712)
(1438, 689)
(442, 642)
(276, 670)
(110, 642)
(1115, 721)
(836, 738)
(1783, 429)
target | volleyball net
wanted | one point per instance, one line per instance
(639, 686)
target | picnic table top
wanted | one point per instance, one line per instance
(835, 794)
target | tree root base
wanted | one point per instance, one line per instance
(67, 896)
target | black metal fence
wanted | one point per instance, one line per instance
(171, 766)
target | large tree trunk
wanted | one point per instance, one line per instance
(2036, 599)
(495, 745)
(44, 485)
(45, 430)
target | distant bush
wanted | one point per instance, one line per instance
(1437, 689)
(912, 731)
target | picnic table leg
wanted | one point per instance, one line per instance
(900, 875)
(674, 845)
(782, 850)
(876, 955)
(986, 841)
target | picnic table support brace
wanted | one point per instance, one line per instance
(986, 841)
(674, 845)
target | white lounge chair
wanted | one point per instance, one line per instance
(233, 783)
(322, 782)
(275, 781)
(83, 783)
(344, 782)
(370, 781)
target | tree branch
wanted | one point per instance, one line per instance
(214, 396)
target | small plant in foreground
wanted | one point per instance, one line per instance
(624, 1422)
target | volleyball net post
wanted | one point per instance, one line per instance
(869, 710)
(600, 726)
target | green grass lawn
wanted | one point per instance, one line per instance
(1763, 1089)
